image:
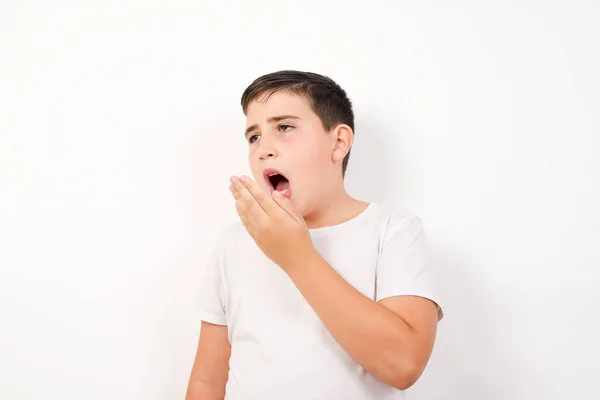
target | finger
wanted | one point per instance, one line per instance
(235, 187)
(286, 205)
(241, 206)
(235, 193)
(245, 218)
(253, 209)
(265, 201)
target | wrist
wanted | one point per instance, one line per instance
(306, 258)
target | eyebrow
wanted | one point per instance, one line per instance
(270, 120)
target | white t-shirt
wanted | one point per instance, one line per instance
(280, 348)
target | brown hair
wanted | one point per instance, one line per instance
(327, 99)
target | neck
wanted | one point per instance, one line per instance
(334, 207)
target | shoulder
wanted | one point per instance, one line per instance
(231, 233)
(234, 230)
(393, 219)
(231, 237)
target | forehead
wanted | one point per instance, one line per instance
(278, 103)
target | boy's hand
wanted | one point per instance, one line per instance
(273, 222)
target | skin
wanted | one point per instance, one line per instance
(400, 330)
(211, 365)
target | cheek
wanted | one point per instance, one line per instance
(256, 171)
(312, 172)
(321, 157)
(251, 154)
(252, 157)
(258, 178)
(315, 150)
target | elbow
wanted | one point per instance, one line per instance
(401, 374)
(404, 380)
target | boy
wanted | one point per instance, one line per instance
(315, 294)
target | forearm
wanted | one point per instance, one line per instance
(374, 336)
(199, 389)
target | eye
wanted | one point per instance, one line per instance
(285, 128)
(253, 139)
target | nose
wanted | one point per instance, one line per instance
(266, 150)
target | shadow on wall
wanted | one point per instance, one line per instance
(465, 343)
(370, 164)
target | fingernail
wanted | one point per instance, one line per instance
(244, 178)
(277, 193)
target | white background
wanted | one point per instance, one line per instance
(120, 125)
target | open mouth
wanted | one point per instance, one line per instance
(277, 182)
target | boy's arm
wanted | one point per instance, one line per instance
(211, 365)
(392, 339)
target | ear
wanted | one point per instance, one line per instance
(343, 138)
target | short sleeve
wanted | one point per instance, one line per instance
(403, 265)
(210, 301)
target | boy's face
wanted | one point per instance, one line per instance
(289, 150)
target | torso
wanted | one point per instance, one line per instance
(280, 348)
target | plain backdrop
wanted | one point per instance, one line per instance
(120, 124)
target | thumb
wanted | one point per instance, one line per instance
(286, 204)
